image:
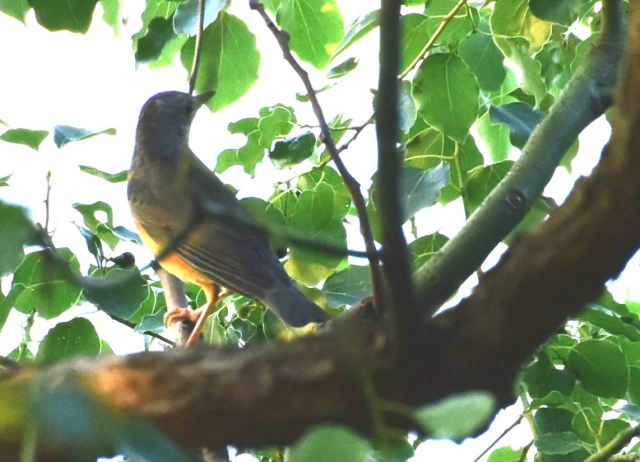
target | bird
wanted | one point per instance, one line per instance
(195, 226)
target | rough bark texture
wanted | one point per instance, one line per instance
(271, 394)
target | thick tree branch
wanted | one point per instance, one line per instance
(270, 394)
(352, 184)
(400, 298)
(586, 97)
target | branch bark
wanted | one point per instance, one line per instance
(587, 96)
(270, 394)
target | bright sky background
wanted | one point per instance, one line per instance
(91, 81)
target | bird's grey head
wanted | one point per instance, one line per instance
(166, 117)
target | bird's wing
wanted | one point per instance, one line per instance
(236, 260)
(221, 247)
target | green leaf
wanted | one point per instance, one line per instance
(601, 368)
(458, 27)
(72, 15)
(428, 148)
(185, 19)
(118, 177)
(560, 11)
(342, 69)
(274, 122)
(31, 138)
(505, 455)
(484, 59)
(611, 323)
(94, 244)
(360, 27)
(446, 93)
(425, 247)
(512, 18)
(229, 61)
(330, 444)
(421, 188)
(293, 151)
(4, 181)
(457, 416)
(610, 429)
(327, 175)
(315, 28)
(519, 117)
(314, 217)
(416, 32)
(149, 47)
(16, 230)
(348, 286)
(15, 8)
(553, 420)
(542, 378)
(406, 107)
(64, 134)
(495, 138)
(44, 284)
(481, 182)
(66, 340)
(558, 443)
(111, 15)
(93, 219)
(118, 292)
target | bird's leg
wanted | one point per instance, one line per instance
(213, 296)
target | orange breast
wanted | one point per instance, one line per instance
(177, 266)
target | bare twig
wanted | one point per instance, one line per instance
(502, 435)
(352, 184)
(147, 332)
(197, 52)
(356, 134)
(396, 267)
(47, 205)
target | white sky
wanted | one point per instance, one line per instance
(90, 81)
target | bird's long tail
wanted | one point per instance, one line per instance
(293, 307)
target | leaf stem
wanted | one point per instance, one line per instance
(198, 48)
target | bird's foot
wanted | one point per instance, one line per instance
(176, 315)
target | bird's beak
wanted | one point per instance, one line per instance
(202, 98)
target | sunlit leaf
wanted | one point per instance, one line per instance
(72, 15)
(31, 138)
(229, 61)
(315, 28)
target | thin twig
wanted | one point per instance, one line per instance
(396, 266)
(432, 40)
(356, 134)
(502, 435)
(147, 332)
(47, 210)
(197, 49)
(354, 187)
(9, 363)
